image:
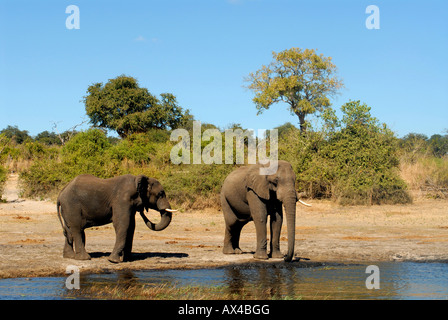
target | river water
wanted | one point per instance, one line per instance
(396, 280)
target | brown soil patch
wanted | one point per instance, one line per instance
(27, 241)
(359, 238)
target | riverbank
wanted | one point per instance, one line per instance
(31, 238)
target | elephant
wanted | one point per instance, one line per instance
(247, 195)
(88, 201)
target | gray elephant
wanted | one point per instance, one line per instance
(89, 201)
(247, 195)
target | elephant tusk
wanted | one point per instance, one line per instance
(171, 210)
(304, 203)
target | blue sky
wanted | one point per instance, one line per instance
(201, 50)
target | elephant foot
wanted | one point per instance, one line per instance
(231, 250)
(115, 258)
(68, 254)
(277, 255)
(82, 256)
(261, 256)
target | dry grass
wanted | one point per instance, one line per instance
(426, 175)
(172, 292)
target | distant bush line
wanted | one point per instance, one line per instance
(353, 161)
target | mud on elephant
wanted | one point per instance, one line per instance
(247, 195)
(89, 201)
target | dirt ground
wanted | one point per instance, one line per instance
(31, 238)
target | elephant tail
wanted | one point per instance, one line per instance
(65, 229)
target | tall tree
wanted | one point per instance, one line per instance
(122, 105)
(301, 78)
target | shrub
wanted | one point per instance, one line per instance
(195, 186)
(365, 160)
(136, 148)
(353, 160)
(86, 153)
(303, 152)
(43, 179)
(3, 176)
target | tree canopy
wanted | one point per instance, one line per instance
(122, 105)
(13, 132)
(301, 78)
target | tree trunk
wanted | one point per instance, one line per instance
(301, 116)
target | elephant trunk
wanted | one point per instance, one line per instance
(164, 221)
(290, 210)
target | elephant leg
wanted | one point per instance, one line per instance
(79, 238)
(121, 224)
(258, 212)
(74, 247)
(127, 254)
(232, 237)
(276, 227)
(68, 248)
(233, 229)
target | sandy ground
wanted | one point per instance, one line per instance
(31, 238)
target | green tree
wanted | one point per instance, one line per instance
(122, 105)
(354, 160)
(48, 138)
(301, 78)
(14, 133)
(414, 145)
(285, 129)
(439, 145)
(362, 156)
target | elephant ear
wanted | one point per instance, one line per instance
(141, 184)
(258, 183)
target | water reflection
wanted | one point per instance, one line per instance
(267, 282)
(403, 280)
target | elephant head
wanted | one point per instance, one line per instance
(278, 186)
(152, 196)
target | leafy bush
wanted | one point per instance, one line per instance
(3, 176)
(364, 158)
(195, 186)
(136, 149)
(140, 148)
(85, 153)
(192, 186)
(353, 160)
